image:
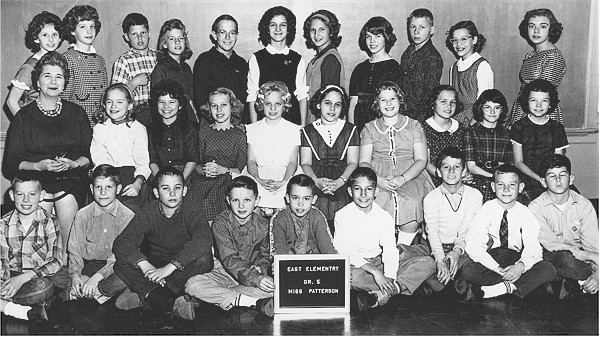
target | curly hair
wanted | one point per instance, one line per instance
(539, 85)
(269, 87)
(320, 95)
(554, 161)
(494, 96)
(332, 23)
(472, 29)
(435, 94)
(388, 85)
(236, 105)
(37, 24)
(76, 15)
(556, 27)
(377, 25)
(163, 51)
(101, 116)
(263, 25)
(51, 58)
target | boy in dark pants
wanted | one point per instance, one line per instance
(179, 247)
(513, 263)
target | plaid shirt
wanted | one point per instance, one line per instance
(482, 144)
(131, 64)
(39, 249)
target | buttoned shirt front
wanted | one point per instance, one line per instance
(133, 63)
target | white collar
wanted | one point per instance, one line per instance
(92, 49)
(274, 51)
(436, 127)
(329, 133)
(542, 123)
(384, 128)
(469, 61)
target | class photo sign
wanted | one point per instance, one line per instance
(312, 283)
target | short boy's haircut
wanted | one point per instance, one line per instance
(101, 115)
(554, 161)
(215, 25)
(77, 14)
(167, 171)
(420, 13)
(435, 93)
(263, 25)
(377, 25)
(452, 152)
(556, 27)
(472, 29)
(37, 24)
(26, 176)
(106, 171)
(494, 96)
(507, 168)
(330, 20)
(320, 95)
(268, 88)
(366, 172)
(134, 19)
(242, 182)
(51, 58)
(539, 85)
(388, 85)
(301, 180)
(167, 26)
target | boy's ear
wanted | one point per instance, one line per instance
(438, 173)
(571, 179)
(350, 191)
(42, 195)
(544, 182)
(521, 187)
(184, 191)
(214, 35)
(493, 185)
(314, 199)
(11, 193)
(155, 190)
(287, 198)
(432, 31)
(92, 188)
(126, 38)
(119, 188)
(228, 201)
(257, 201)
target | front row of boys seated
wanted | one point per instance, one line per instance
(495, 244)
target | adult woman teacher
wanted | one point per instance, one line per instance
(53, 137)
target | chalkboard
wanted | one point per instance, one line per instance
(312, 283)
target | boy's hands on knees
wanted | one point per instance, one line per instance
(386, 284)
(159, 274)
(266, 284)
(10, 287)
(90, 287)
(514, 272)
(443, 272)
(453, 256)
(591, 284)
(76, 285)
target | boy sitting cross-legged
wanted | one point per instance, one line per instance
(240, 276)
(365, 232)
(513, 262)
(30, 251)
(300, 228)
(92, 235)
(569, 227)
(178, 245)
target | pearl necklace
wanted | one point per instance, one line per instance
(50, 113)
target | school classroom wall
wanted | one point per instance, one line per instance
(497, 20)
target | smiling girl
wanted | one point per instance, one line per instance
(376, 39)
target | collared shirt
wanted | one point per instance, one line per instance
(243, 247)
(447, 224)
(131, 64)
(93, 233)
(167, 68)
(177, 146)
(422, 70)
(318, 236)
(484, 144)
(523, 230)
(574, 227)
(329, 133)
(376, 232)
(213, 70)
(39, 248)
(485, 75)
(121, 145)
(301, 91)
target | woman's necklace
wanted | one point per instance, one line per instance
(50, 113)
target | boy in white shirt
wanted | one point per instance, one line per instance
(376, 269)
(513, 263)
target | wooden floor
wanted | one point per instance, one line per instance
(439, 314)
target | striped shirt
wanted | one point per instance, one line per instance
(131, 64)
(39, 248)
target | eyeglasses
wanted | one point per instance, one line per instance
(461, 40)
(223, 34)
(487, 108)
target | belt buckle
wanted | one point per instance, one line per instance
(488, 164)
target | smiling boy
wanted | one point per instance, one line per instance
(301, 228)
(241, 274)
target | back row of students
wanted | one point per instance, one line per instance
(484, 250)
(142, 67)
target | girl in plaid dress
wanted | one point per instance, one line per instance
(222, 152)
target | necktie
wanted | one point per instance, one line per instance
(504, 230)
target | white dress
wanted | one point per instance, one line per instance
(272, 146)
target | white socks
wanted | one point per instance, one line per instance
(405, 238)
(243, 300)
(17, 310)
(498, 289)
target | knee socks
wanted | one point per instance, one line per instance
(498, 289)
